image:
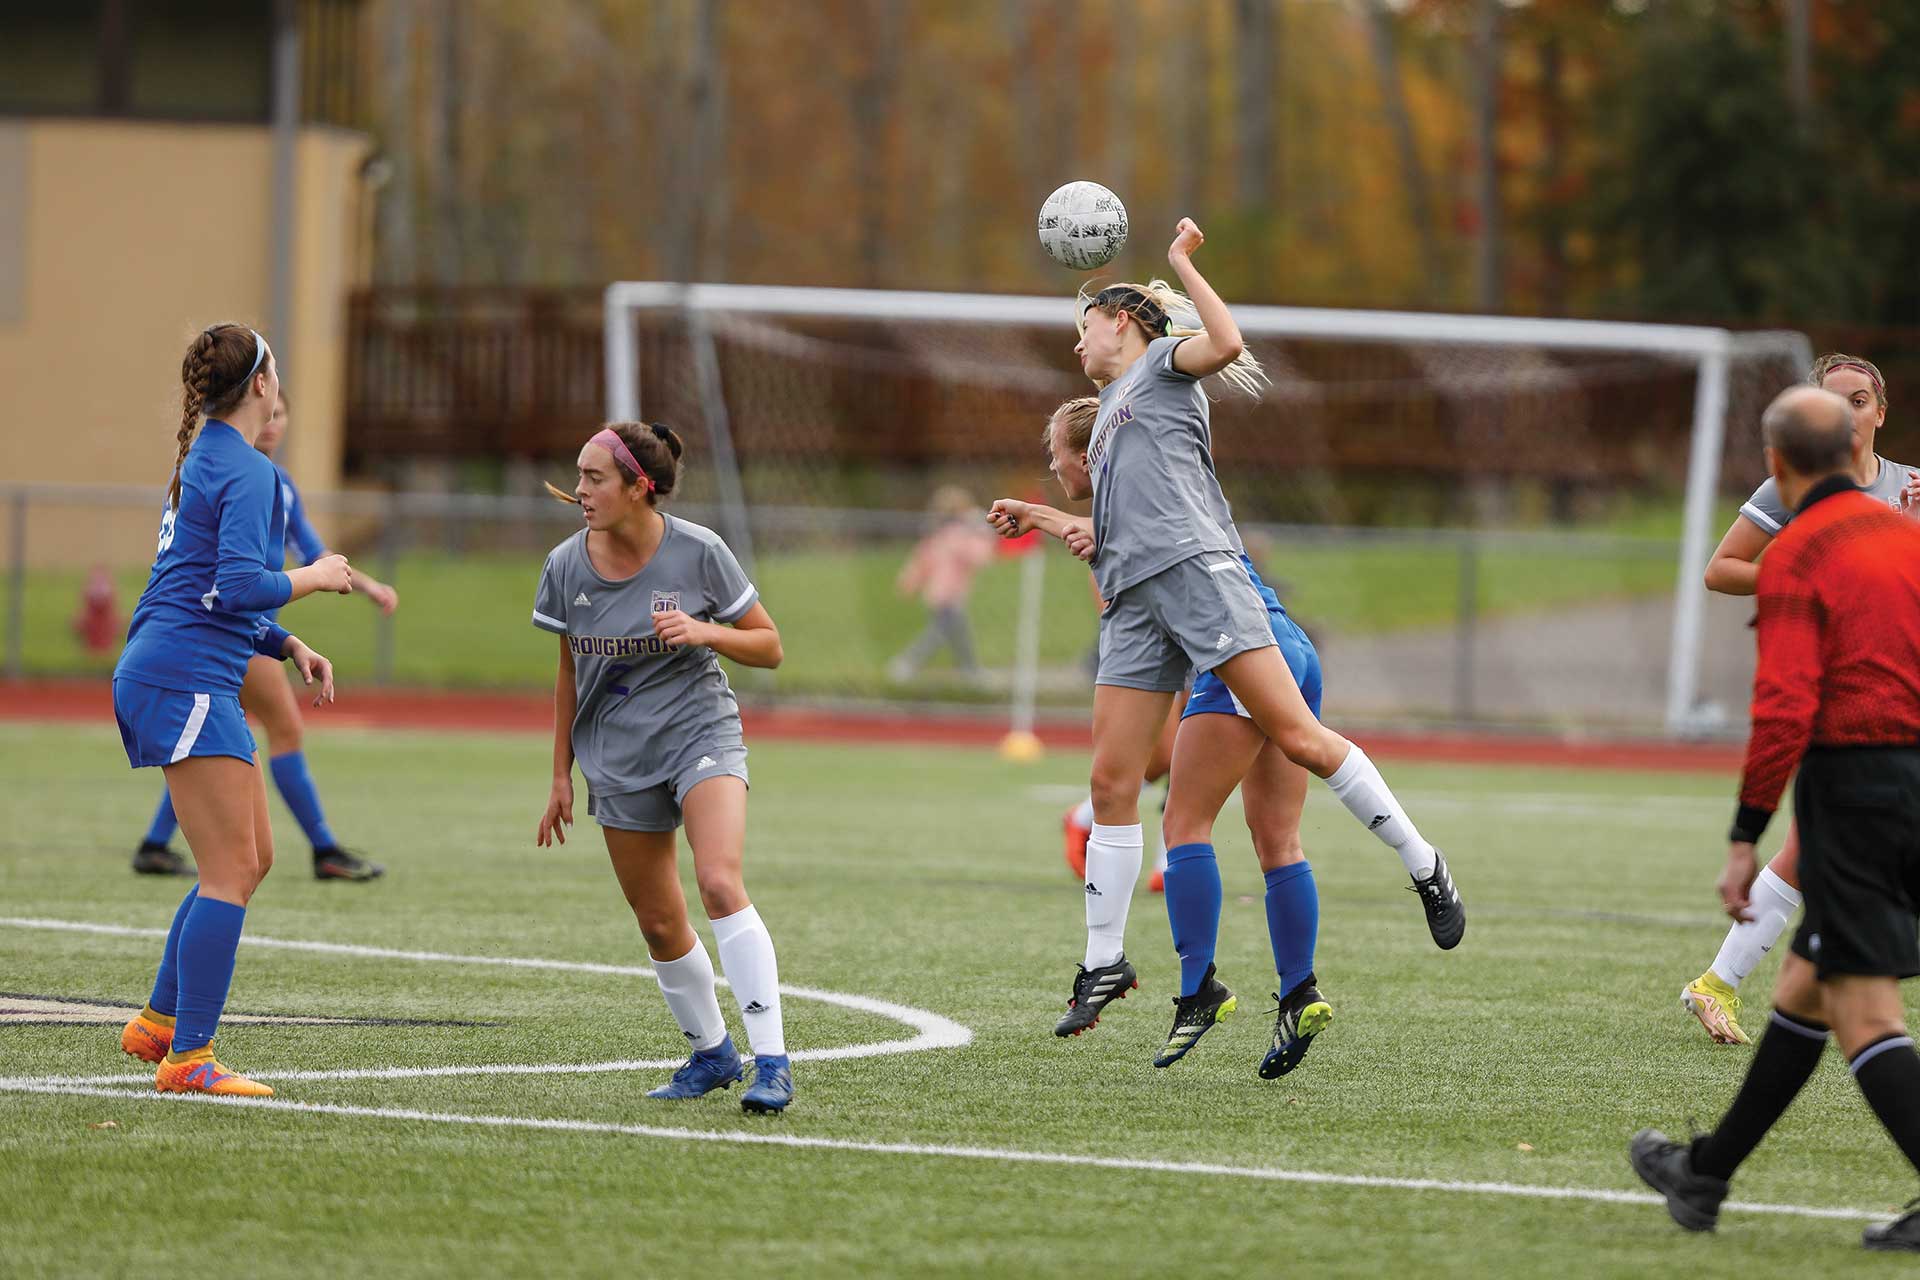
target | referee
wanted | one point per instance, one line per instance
(1837, 693)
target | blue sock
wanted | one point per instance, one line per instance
(1293, 922)
(164, 823)
(296, 788)
(1193, 909)
(166, 983)
(208, 940)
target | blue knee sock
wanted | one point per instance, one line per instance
(208, 940)
(1193, 909)
(164, 823)
(166, 982)
(1293, 922)
(296, 788)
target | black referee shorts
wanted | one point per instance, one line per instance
(1859, 815)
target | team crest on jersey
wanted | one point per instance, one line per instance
(666, 602)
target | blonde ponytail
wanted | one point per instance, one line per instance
(1162, 311)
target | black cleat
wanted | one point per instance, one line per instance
(1194, 1016)
(1902, 1235)
(1093, 991)
(1440, 899)
(335, 863)
(152, 859)
(1302, 1015)
(1693, 1199)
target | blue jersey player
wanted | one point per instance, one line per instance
(176, 690)
(269, 700)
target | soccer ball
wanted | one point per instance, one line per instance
(1082, 225)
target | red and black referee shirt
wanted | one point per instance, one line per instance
(1839, 624)
(1840, 641)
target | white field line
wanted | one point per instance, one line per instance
(999, 1155)
(932, 1030)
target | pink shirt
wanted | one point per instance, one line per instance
(943, 566)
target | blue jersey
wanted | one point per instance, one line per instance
(303, 542)
(199, 620)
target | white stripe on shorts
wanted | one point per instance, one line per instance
(1223, 566)
(190, 732)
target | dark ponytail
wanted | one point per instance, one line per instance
(656, 447)
(213, 375)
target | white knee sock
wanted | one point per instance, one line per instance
(1364, 792)
(746, 956)
(1114, 855)
(1772, 904)
(687, 983)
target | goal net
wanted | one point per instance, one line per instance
(1490, 521)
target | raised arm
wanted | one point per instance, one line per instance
(1221, 344)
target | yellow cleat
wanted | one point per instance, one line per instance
(1718, 1008)
(148, 1036)
(201, 1072)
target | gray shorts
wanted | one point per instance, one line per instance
(1191, 616)
(658, 807)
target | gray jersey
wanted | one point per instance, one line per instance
(1765, 509)
(1156, 500)
(644, 707)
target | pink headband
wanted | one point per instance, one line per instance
(1872, 377)
(609, 439)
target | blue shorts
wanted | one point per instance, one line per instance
(1211, 695)
(166, 726)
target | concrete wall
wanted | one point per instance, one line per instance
(119, 240)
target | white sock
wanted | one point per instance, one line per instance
(1772, 904)
(1364, 792)
(746, 955)
(687, 983)
(1114, 855)
(1083, 813)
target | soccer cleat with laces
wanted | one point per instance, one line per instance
(1718, 1008)
(1303, 1014)
(335, 863)
(1902, 1235)
(772, 1087)
(1195, 1015)
(1440, 899)
(152, 859)
(147, 1035)
(1094, 990)
(1076, 837)
(708, 1069)
(1693, 1199)
(201, 1072)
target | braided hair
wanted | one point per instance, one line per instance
(213, 376)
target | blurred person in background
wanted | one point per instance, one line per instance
(267, 697)
(940, 572)
(1735, 570)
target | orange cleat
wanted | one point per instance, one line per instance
(201, 1072)
(1157, 882)
(147, 1036)
(1076, 851)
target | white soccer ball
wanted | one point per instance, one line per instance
(1082, 225)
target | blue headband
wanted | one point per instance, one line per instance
(259, 354)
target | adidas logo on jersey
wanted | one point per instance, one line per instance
(582, 599)
(706, 762)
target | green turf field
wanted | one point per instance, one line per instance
(931, 879)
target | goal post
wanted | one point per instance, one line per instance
(1712, 354)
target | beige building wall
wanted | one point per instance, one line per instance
(119, 240)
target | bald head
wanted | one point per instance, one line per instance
(1809, 432)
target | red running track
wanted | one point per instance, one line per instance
(92, 701)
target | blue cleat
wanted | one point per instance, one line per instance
(707, 1070)
(772, 1087)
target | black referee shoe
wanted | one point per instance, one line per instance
(1693, 1199)
(335, 863)
(152, 859)
(1902, 1235)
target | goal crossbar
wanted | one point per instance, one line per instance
(1710, 350)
